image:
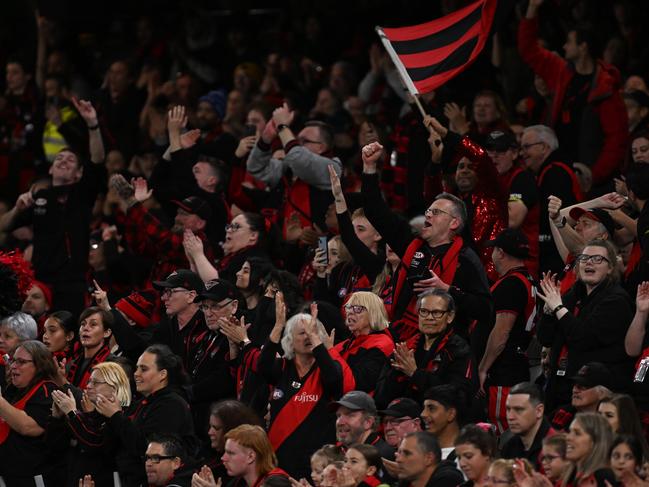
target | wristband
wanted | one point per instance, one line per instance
(281, 127)
(94, 127)
(561, 224)
(243, 343)
(554, 311)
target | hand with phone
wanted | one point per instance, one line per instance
(246, 143)
(433, 282)
(321, 259)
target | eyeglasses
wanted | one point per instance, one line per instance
(213, 308)
(527, 146)
(595, 259)
(549, 458)
(435, 313)
(397, 421)
(169, 292)
(355, 308)
(93, 382)
(436, 212)
(157, 458)
(19, 362)
(303, 140)
(233, 227)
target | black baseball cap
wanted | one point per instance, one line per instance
(597, 214)
(402, 407)
(219, 290)
(595, 374)
(356, 401)
(181, 278)
(513, 242)
(196, 206)
(500, 141)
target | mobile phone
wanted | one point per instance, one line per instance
(322, 245)
(249, 130)
(413, 278)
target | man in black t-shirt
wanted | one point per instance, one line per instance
(505, 362)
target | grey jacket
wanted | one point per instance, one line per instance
(307, 166)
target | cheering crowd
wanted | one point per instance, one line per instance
(253, 260)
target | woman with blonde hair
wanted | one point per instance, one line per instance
(588, 444)
(93, 450)
(370, 346)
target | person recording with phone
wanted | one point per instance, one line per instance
(360, 241)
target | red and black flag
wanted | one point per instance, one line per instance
(428, 55)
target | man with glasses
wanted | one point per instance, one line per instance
(436, 355)
(476, 180)
(505, 361)
(308, 156)
(400, 418)
(553, 178)
(164, 462)
(437, 259)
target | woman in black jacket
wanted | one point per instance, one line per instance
(434, 356)
(161, 410)
(93, 450)
(588, 323)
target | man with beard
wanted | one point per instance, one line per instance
(356, 422)
(148, 237)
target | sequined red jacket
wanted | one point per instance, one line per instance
(486, 204)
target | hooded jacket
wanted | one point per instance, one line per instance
(603, 127)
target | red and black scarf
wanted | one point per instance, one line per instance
(80, 377)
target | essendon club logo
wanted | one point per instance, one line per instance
(304, 397)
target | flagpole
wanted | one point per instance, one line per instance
(401, 69)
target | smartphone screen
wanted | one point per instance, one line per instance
(322, 245)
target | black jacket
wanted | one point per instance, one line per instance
(449, 361)
(514, 447)
(469, 288)
(161, 412)
(593, 331)
(445, 475)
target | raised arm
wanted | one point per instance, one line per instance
(196, 256)
(394, 230)
(23, 202)
(636, 333)
(89, 115)
(558, 231)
